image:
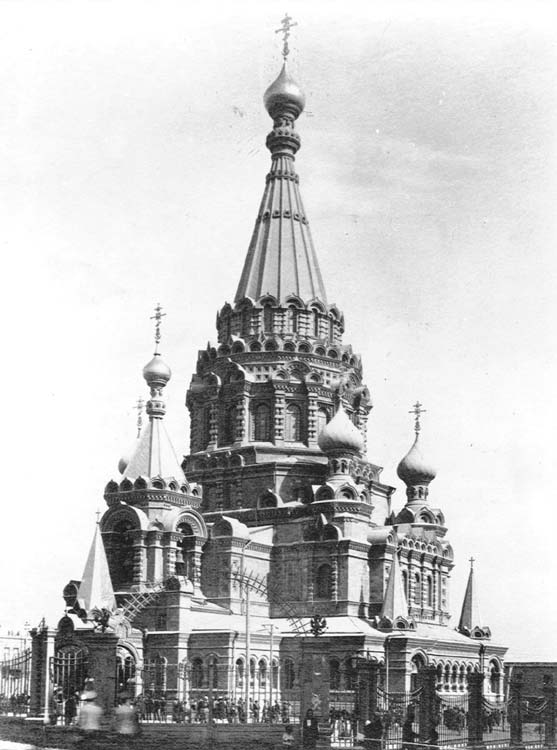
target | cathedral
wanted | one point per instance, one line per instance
(211, 567)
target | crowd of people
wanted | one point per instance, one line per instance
(220, 709)
(14, 704)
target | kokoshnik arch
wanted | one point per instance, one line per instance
(277, 485)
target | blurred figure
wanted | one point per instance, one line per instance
(89, 719)
(126, 722)
(288, 737)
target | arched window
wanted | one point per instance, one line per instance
(197, 673)
(262, 670)
(240, 674)
(289, 675)
(252, 672)
(417, 665)
(186, 549)
(331, 329)
(405, 583)
(494, 677)
(293, 423)
(429, 591)
(323, 582)
(159, 664)
(262, 423)
(350, 675)
(417, 589)
(316, 323)
(125, 671)
(292, 319)
(267, 318)
(214, 671)
(334, 674)
(322, 419)
(121, 557)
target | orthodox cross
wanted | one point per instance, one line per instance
(472, 560)
(139, 406)
(417, 411)
(157, 317)
(285, 31)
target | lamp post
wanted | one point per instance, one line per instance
(248, 644)
(271, 626)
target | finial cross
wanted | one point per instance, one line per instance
(139, 406)
(157, 317)
(285, 31)
(472, 561)
(98, 514)
(417, 411)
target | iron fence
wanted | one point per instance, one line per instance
(15, 684)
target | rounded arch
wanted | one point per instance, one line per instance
(324, 581)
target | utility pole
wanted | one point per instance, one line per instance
(248, 665)
(271, 627)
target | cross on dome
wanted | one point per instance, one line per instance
(417, 411)
(157, 317)
(139, 406)
(285, 31)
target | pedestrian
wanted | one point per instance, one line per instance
(126, 723)
(89, 720)
(373, 732)
(310, 731)
(70, 710)
(288, 736)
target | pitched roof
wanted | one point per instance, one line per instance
(470, 617)
(154, 454)
(95, 589)
(395, 604)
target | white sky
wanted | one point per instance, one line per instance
(133, 162)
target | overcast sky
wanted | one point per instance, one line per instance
(133, 162)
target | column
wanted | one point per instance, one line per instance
(42, 651)
(515, 708)
(196, 567)
(312, 419)
(154, 556)
(139, 556)
(549, 711)
(170, 547)
(315, 692)
(279, 415)
(475, 708)
(428, 709)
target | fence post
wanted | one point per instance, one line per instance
(315, 692)
(549, 710)
(429, 709)
(515, 708)
(42, 651)
(475, 708)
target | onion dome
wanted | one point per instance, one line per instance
(284, 95)
(157, 373)
(340, 435)
(414, 469)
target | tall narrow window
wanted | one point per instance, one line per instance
(417, 589)
(267, 318)
(405, 583)
(316, 324)
(293, 423)
(289, 674)
(323, 582)
(292, 319)
(262, 423)
(197, 673)
(429, 591)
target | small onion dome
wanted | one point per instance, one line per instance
(157, 373)
(414, 469)
(123, 464)
(340, 434)
(284, 93)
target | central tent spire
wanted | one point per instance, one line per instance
(281, 260)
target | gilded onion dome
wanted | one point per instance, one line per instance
(414, 469)
(284, 94)
(341, 435)
(156, 372)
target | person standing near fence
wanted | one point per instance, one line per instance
(373, 732)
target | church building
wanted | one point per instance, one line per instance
(209, 567)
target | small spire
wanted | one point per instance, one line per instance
(394, 603)
(285, 31)
(95, 589)
(417, 411)
(470, 622)
(157, 317)
(140, 404)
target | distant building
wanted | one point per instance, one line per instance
(277, 514)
